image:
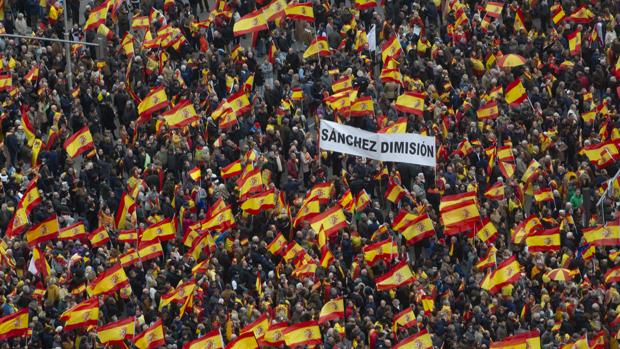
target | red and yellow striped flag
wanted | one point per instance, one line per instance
(515, 93)
(300, 11)
(108, 282)
(253, 22)
(181, 115)
(211, 340)
(14, 325)
(509, 271)
(304, 333)
(152, 337)
(420, 340)
(410, 102)
(399, 275)
(116, 332)
(79, 142)
(317, 46)
(332, 220)
(332, 310)
(85, 314)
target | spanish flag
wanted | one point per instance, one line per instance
(75, 231)
(392, 75)
(156, 100)
(291, 251)
(221, 220)
(515, 93)
(181, 115)
(346, 201)
(488, 260)
(332, 310)
(582, 15)
(460, 217)
(108, 282)
(361, 5)
(116, 332)
(300, 11)
(195, 174)
(243, 341)
(275, 335)
(362, 106)
(277, 244)
(127, 45)
(557, 13)
(523, 340)
(399, 275)
(382, 250)
(253, 22)
(507, 272)
(420, 340)
(79, 142)
(317, 46)
(33, 74)
(404, 319)
(127, 206)
(343, 84)
(596, 153)
(178, 295)
(394, 192)
(495, 192)
(402, 219)
(411, 102)
(332, 220)
(320, 191)
(130, 236)
(163, 230)
(231, 170)
(519, 23)
(544, 240)
(150, 249)
(98, 237)
(487, 232)
(418, 229)
(327, 258)
(152, 337)
(608, 235)
(239, 103)
(44, 231)
(304, 333)
(97, 16)
(104, 31)
(250, 182)
(38, 264)
(18, 222)
(488, 111)
(297, 95)
(6, 82)
(574, 42)
(391, 48)
(14, 325)
(543, 194)
(129, 257)
(260, 202)
(28, 129)
(612, 275)
(211, 340)
(85, 314)
(139, 22)
(531, 173)
(305, 270)
(258, 327)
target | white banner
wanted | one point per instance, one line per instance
(409, 148)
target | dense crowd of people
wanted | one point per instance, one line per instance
(552, 156)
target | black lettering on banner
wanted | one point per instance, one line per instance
(341, 138)
(399, 147)
(332, 136)
(385, 147)
(349, 141)
(430, 150)
(422, 149)
(372, 145)
(412, 149)
(324, 134)
(357, 142)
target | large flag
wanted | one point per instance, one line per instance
(608, 235)
(391, 48)
(84, 314)
(522, 340)
(486, 232)
(601, 154)
(343, 84)
(98, 237)
(404, 319)
(460, 217)
(494, 9)
(250, 182)
(156, 100)
(420, 340)
(394, 192)
(515, 93)
(399, 275)
(543, 195)
(362, 106)
(544, 240)
(557, 13)
(317, 46)
(14, 325)
(257, 327)
(79, 142)
(148, 250)
(489, 260)
(410, 102)
(574, 42)
(321, 191)
(495, 192)
(612, 275)
(97, 16)
(211, 340)
(239, 103)
(332, 310)
(260, 202)
(6, 82)
(301, 11)
(275, 335)
(278, 243)
(152, 337)
(44, 231)
(384, 250)
(582, 15)
(116, 332)
(108, 282)
(75, 231)
(253, 22)
(181, 115)
(231, 170)
(163, 230)
(365, 4)
(243, 341)
(488, 111)
(507, 272)
(418, 229)
(127, 206)
(304, 333)
(332, 220)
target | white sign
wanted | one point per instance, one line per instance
(409, 148)
(372, 39)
